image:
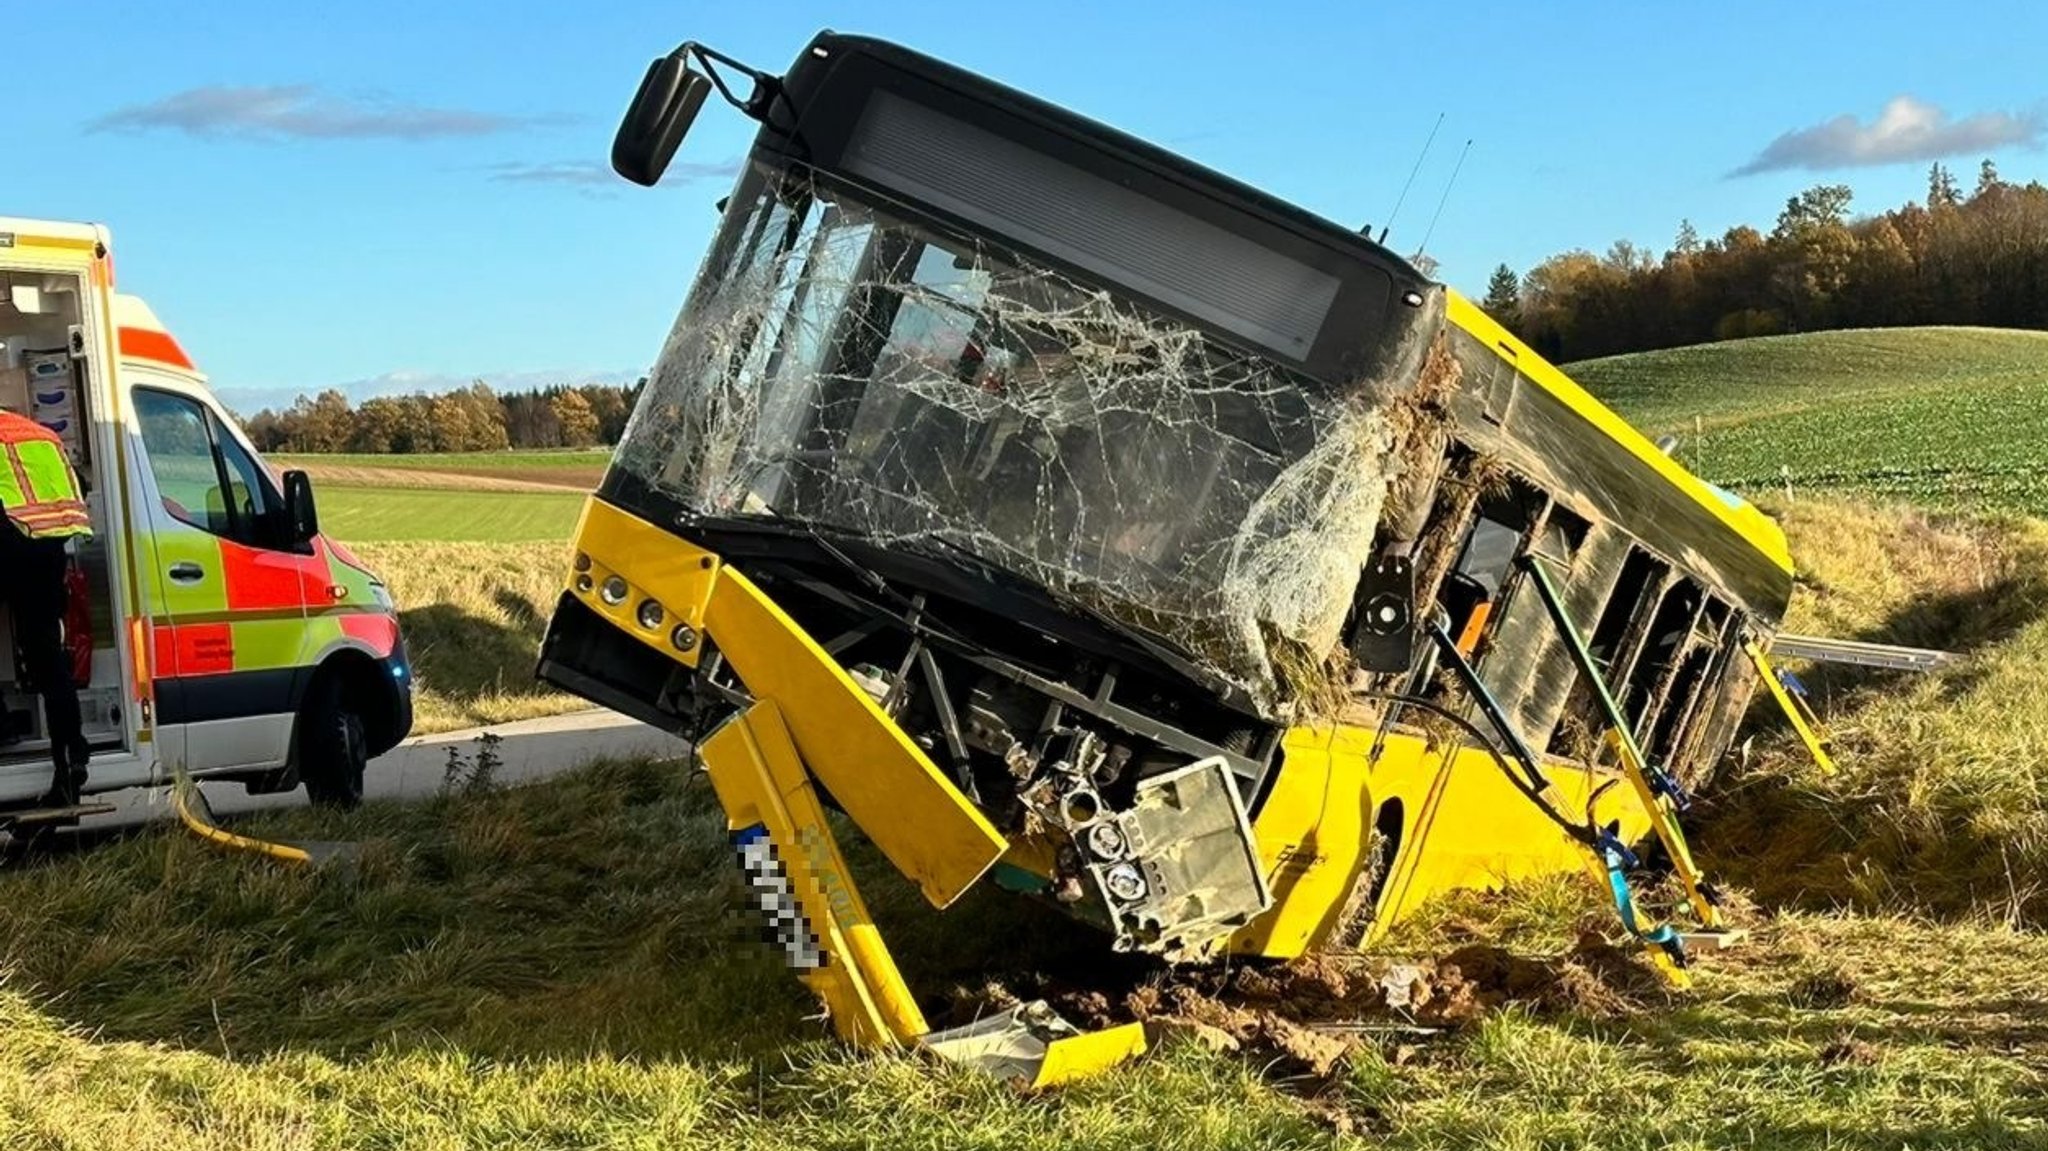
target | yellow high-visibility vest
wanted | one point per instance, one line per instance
(38, 489)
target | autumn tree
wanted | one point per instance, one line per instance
(577, 421)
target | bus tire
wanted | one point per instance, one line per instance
(333, 750)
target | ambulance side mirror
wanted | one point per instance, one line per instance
(300, 517)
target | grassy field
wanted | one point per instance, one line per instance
(574, 469)
(560, 965)
(1953, 417)
(473, 615)
(556, 966)
(376, 514)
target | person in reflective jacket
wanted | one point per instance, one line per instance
(39, 492)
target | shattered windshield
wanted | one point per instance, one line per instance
(853, 369)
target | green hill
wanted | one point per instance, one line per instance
(1954, 417)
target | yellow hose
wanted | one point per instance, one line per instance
(228, 839)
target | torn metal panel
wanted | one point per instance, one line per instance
(868, 375)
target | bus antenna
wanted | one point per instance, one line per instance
(1398, 200)
(1441, 200)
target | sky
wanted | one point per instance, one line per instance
(387, 197)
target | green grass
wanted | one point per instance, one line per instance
(353, 514)
(557, 966)
(1952, 417)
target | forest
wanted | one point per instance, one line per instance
(473, 419)
(1975, 258)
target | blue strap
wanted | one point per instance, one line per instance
(1618, 858)
(1663, 783)
(1791, 683)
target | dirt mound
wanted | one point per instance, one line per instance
(1303, 1019)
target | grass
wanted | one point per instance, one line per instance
(1941, 798)
(354, 514)
(1951, 417)
(557, 966)
(473, 615)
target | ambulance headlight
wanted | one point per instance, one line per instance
(382, 595)
(612, 591)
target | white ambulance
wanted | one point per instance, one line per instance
(228, 638)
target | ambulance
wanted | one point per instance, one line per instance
(213, 629)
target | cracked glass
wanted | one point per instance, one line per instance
(848, 367)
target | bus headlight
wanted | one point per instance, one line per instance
(649, 614)
(612, 591)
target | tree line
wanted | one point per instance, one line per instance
(472, 419)
(1980, 258)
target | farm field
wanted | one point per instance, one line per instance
(446, 514)
(557, 966)
(579, 469)
(1949, 417)
(473, 547)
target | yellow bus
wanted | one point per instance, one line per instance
(1078, 519)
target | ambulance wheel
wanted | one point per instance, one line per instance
(332, 749)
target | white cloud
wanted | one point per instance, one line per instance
(593, 176)
(1907, 129)
(298, 111)
(249, 401)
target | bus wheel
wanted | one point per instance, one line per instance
(332, 748)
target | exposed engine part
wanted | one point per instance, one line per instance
(1175, 871)
(996, 712)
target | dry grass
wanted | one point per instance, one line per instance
(473, 615)
(1941, 801)
(556, 967)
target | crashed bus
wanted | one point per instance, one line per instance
(1077, 519)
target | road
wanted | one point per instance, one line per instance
(528, 750)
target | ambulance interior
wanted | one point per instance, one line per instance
(41, 322)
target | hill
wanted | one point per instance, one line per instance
(1951, 417)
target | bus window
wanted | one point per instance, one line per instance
(1698, 665)
(1663, 646)
(1474, 590)
(1634, 593)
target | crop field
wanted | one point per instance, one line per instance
(1949, 417)
(446, 515)
(580, 469)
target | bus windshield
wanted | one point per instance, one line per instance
(842, 364)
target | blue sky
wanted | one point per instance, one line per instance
(391, 195)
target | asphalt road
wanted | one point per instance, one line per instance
(528, 750)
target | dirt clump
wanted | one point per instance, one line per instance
(1822, 990)
(1849, 1051)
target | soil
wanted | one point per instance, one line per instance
(1303, 1019)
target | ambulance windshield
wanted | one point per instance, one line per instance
(849, 367)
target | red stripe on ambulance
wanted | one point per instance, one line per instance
(144, 344)
(377, 630)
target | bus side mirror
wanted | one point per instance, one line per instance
(662, 111)
(300, 517)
